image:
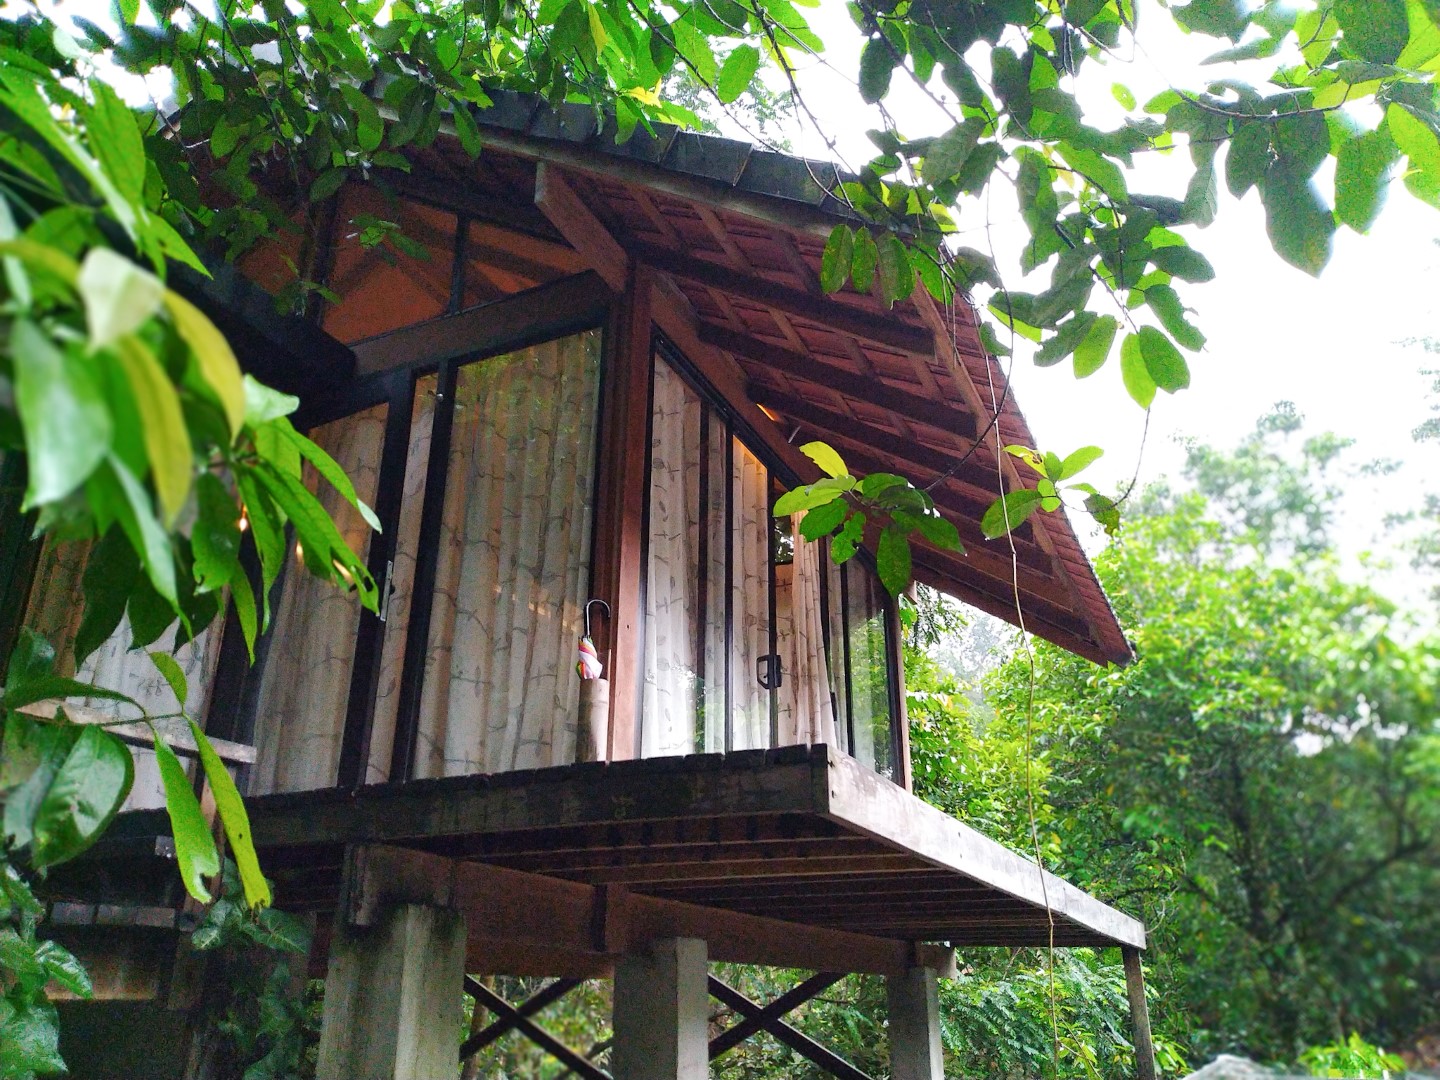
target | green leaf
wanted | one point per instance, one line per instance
(466, 130)
(892, 560)
(167, 440)
(172, 673)
(1079, 461)
(807, 497)
(110, 575)
(213, 355)
(948, 153)
(63, 969)
(835, 262)
(876, 482)
(1091, 354)
(369, 128)
(737, 71)
(1008, 513)
(328, 183)
(1138, 381)
(1105, 511)
(877, 61)
(847, 541)
(1362, 174)
(1297, 220)
(824, 455)
(1183, 262)
(1165, 303)
(115, 140)
(215, 538)
(195, 850)
(235, 820)
(1123, 95)
(897, 276)
(823, 520)
(694, 46)
(934, 528)
(83, 798)
(1248, 157)
(145, 532)
(330, 469)
(1415, 139)
(263, 404)
(864, 259)
(119, 296)
(1373, 30)
(1163, 361)
(32, 658)
(65, 420)
(1067, 338)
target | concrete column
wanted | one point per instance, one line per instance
(662, 1013)
(392, 998)
(914, 1000)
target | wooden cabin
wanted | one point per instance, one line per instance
(584, 376)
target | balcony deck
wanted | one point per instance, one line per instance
(800, 834)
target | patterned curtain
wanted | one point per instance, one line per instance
(869, 668)
(305, 686)
(55, 608)
(805, 710)
(500, 690)
(750, 610)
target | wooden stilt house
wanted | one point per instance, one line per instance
(572, 371)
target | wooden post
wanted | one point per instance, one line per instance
(392, 998)
(914, 1003)
(662, 1012)
(1139, 1013)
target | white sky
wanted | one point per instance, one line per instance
(1332, 345)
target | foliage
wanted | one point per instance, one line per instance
(1353, 1057)
(1261, 785)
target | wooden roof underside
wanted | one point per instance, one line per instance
(906, 390)
(800, 834)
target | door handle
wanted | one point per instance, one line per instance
(768, 671)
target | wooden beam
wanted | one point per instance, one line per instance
(764, 1018)
(172, 729)
(877, 807)
(576, 222)
(830, 312)
(514, 1018)
(921, 408)
(796, 1040)
(617, 569)
(540, 314)
(1139, 1013)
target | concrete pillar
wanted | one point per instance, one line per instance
(392, 998)
(1139, 1013)
(914, 1001)
(662, 1013)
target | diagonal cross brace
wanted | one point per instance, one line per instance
(513, 1018)
(768, 1019)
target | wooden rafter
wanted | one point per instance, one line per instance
(576, 222)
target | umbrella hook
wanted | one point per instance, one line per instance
(588, 606)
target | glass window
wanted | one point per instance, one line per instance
(512, 563)
(754, 638)
(305, 684)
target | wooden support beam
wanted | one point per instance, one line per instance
(519, 1019)
(576, 222)
(766, 1018)
(914, 1014)
(172, 729)
(388, 995)
(662, 1012)
(1139, 1013)
(618, 570)
(801, 1043)
(540, 314)
(921, 408)
(508, 1018)
(831, 312)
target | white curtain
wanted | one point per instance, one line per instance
(500, 689)
(670, 705)
(402, 582)
(869, 668)
(805, 712)
(305, 687)
(55, 608)
(750, 603)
